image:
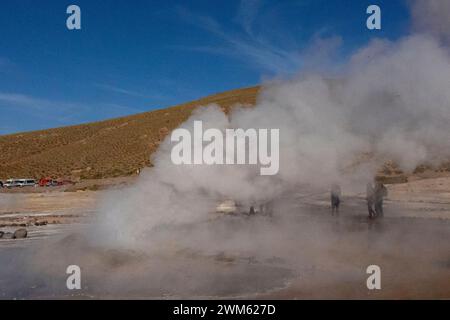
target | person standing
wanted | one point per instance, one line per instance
(380, 193)
(370, 197)
(335, 198)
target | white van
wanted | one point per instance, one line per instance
(12, 183)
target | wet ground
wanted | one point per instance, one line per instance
(300, 252)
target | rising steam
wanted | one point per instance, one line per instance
(390, 101)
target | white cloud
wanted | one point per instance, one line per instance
(27, 101)
(247, 46)
(62, 112)
(247, 13)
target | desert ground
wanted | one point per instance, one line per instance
(300, 252)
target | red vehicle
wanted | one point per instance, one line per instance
(50, 182)
(47, 182)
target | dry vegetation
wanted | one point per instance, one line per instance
(110, 148)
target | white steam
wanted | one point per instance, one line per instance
(432, 17)
(391, 101)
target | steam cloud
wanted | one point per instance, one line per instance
(390, 101)
(431, 17)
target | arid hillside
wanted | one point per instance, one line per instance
(110, 148)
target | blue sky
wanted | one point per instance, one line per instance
(135, 56)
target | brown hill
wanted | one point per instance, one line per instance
(110, 148)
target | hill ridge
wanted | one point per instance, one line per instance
(102, 149)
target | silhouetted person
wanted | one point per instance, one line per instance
(335, 198)
(380, 193)
(370, 197)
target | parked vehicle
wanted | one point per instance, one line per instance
(45, 182)
(27, 183)
(13, 183)
(50, 182)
